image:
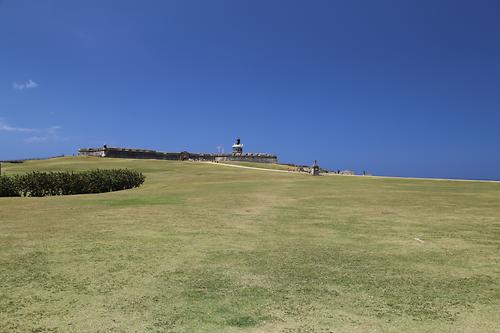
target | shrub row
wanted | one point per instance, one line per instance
(39, 184)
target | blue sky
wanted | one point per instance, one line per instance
(408, 88)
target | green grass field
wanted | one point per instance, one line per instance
(263, 165)
(208, 248)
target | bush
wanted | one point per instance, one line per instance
(8, 187)
(39, 184)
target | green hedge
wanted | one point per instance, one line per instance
(39, 184)
(8, 187)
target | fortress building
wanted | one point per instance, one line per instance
(236, 155)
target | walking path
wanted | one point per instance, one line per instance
(247, 167)
(334, 174)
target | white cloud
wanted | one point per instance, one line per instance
(6, 127)
(42, 135)
(31, 84)
(36, 139)
(25, 85)
(53, 129)
(46, 134)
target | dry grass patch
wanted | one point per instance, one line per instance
(200, 248)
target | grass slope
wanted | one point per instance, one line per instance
(207, 248)
(272, 166)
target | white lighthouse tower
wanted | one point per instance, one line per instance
(238, 147)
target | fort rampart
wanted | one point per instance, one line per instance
(178, 156)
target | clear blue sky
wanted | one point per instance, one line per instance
(409, 88)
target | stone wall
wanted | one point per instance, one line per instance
(174, 156)
(139, 153)
(97, 152)
(256, 158)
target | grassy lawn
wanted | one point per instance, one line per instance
(206, 248)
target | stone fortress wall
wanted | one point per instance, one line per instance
(236, 155)
(256, 158)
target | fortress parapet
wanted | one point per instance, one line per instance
(236, 155)
(249, 157)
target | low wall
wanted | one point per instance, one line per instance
(91, 152)
(247, 158)
(142, 154)
(174, 156)
(132, 153)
